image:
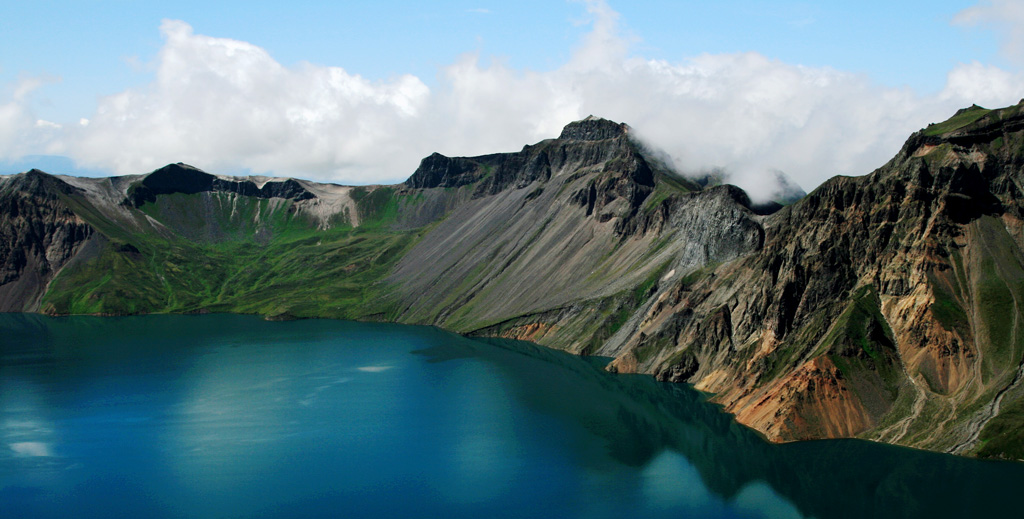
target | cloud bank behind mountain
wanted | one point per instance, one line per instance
(226, 105)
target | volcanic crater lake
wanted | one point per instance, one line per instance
(233, 416)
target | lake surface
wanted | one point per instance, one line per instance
(233, 416)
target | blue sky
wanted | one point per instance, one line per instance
(119, 86)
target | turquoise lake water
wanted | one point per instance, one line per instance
(233, 416)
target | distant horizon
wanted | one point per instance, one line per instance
(358, 95)
(61, 165)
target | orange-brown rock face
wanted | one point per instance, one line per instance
(813, 401)
(528, 332)
(886, 306)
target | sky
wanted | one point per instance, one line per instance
(358, 93)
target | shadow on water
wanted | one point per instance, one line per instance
(624, 420)
(640, 418)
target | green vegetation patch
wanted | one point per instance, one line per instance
(223, 216)
(1003, 435)
(946, 309)
(999, 285)
(958, 121)
(863, 347)
(613, 312)
(859, 343)
(787, 354)
(661, 193)
(378, 207)
(852, 326)
(666, 186)
(265, 260)
(936, 157)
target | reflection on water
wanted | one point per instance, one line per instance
(642, 419)
(184, 416)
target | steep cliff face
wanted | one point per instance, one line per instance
(567, 227)
(555, 242)
(185, 179)
(884, 306)
(39, 234)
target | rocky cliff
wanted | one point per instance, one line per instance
(884, 307)
(39, 235)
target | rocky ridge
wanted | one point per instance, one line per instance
(870, 311)
(39, 235)
(883, 307)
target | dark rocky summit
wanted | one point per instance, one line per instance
(593, 129)
(185, 179)
(39, 234)
(870, 311)
(440, 171)
(886, 307)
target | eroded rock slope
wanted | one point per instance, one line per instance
(886, 306)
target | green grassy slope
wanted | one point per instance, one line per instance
(961, 119)
(235, 254)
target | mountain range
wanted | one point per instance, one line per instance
(885, 307)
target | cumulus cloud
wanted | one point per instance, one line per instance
(14, 120)
(985, 85)
(225, 105)
(744, 112)
(1006, 17)
(21, 133)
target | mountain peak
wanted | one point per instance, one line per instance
(593, 128)
(968, 109)
(189, 180)
(179, 177)
(440, 171)
(40, 182)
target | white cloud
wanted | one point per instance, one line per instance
(224, 105)
(985, 85)
(745, 112)
(21, 133)
(1006, 17)
(14, 119)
